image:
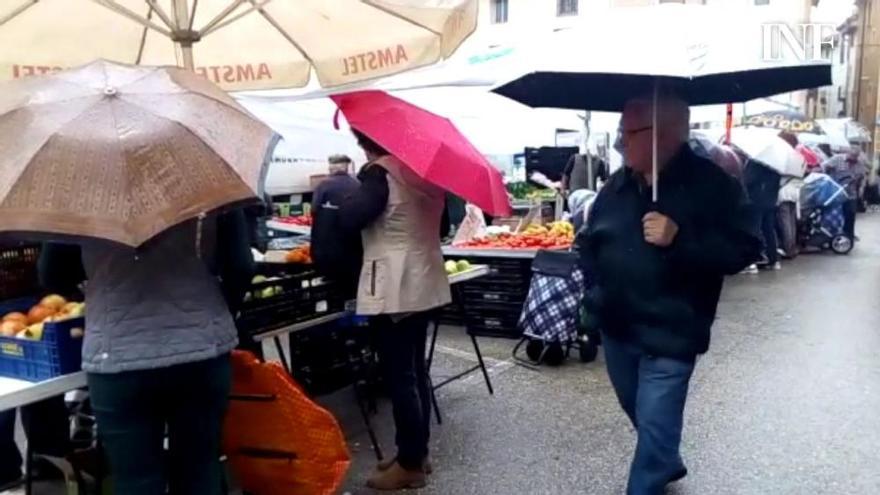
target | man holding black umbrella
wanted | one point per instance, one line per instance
(659, 268)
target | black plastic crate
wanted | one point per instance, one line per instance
(331, 356)
(493, 319)
(287, 298)
(18, 271)
(476, 295)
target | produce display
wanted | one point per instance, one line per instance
(555, 235)
(301, 254)
(301, 220)
(452, 267)
(528, 191)
(266, 292)
(52, 308)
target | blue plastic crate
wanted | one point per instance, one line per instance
(57, 353)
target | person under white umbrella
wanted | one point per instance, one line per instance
(666, 228)
(659, 268)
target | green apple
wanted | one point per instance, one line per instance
(463, 265)
(257, 279)
(451, 267)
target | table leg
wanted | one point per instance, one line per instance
(28, 469)
(482, 365)
(281, 355)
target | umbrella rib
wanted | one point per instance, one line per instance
(161, 13)
(401, 17)
(143, 44)
(192, 15)
(281, 30)
(16, 12)
(125, 12)
(219, 17)
(206, 31)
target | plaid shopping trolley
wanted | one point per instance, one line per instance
(551, 317)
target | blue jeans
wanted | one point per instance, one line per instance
(652, 391)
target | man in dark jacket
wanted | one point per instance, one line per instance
(659, 269)
(337, 253)
(335, 188)
(762, 184)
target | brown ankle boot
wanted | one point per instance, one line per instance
(397, 478)
(427, 467)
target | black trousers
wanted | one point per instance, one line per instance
(134, 410)
(768, 232)
(46, 427)
(850, 208)
(402, 355)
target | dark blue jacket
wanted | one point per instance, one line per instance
(664, 299)
(334, 189)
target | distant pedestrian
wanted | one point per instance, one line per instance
(338, 185)
(849, 172)
(576, 174)
(659, 269)
(337, 253)
(762, 184)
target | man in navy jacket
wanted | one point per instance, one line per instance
(659, 269)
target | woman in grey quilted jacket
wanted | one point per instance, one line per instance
(158, 336)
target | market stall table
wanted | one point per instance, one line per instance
(16, 393)
(521, 254)
(288, 227)
(473, 273)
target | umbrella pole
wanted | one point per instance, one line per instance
(184, 33)
(654, 166)
(587, 116)
(188, 62)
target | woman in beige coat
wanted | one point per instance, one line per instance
(399, 217)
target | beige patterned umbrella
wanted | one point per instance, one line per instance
(122, 153)
(238, 44)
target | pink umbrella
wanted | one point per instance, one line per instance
(429, 144)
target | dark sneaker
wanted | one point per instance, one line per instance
(678, 476)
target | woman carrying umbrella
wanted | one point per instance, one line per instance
(141, 168)
(414, 156)
(402, 278)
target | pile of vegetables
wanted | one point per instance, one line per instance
(527, 191)
(557, 235)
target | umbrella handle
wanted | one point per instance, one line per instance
(336, 119)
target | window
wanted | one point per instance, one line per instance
(566, 7)
(499, 11)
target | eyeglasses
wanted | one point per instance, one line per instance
(633, 132)
(626, 134)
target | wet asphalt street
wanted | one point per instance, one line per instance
(787, 401)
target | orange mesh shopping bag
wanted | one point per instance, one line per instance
(277, 440)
